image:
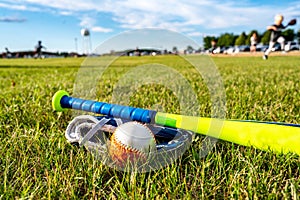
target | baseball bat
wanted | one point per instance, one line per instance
(274, 136)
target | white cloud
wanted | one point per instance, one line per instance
(101, 29)
(14, 6)
(178, 15)
(66, 13)
(87, 22)
(206, 14)
(78, 5)
(12, 19)
(193, 34)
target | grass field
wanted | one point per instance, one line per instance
(38, 163)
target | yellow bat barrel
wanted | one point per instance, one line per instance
(282, 138)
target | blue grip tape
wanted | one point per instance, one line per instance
(111, 110)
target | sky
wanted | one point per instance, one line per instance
(58, 23)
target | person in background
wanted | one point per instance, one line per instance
(213, 46)
(7, 54)
(253, 42)
(38, 50)
(276, 36)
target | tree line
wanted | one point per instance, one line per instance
(230, 39)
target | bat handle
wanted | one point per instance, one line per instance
(61, 101)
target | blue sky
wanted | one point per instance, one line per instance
(58, 22)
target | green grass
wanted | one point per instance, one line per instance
(37, 162)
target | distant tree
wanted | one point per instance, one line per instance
(200, 49)
(227, 39)
(112, 52)
(174, 50)
(265, 39)
(189, 49)
(241, 40)
(249, 36)
(289, 34)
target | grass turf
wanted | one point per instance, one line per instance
(37, 162)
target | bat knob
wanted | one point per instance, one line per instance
(56, 105)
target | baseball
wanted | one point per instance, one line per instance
(131, 142)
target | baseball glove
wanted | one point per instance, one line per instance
(93, 132)
(292, 22)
